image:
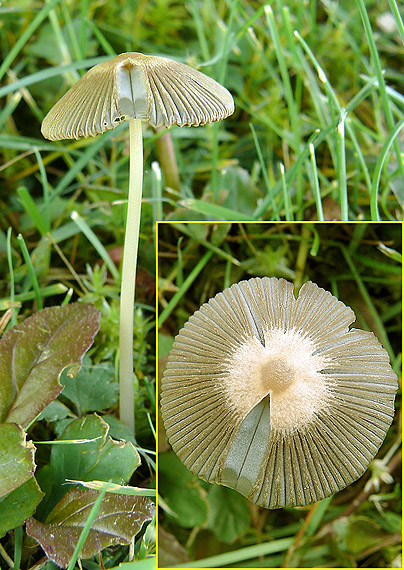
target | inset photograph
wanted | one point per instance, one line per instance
(279, 368)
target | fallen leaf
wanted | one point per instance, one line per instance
(33, 355)
(119, 519)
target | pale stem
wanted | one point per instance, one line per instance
(126, 405)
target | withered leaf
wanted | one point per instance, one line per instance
(33, 355)
(119, 519)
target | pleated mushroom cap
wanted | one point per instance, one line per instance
(275, 396)
(154, 89)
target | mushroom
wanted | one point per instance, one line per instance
(138, 88)
(275, 396)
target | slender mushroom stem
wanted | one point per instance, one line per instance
(126, 406)
(109, 93)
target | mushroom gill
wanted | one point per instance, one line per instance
(275, 396)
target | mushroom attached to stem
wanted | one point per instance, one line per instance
(275, 396)
(138, 88)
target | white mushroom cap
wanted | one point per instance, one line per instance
(275, 396)
(154, 89)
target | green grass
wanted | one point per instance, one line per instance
(316, 133)
(332, 74)
(216, 527)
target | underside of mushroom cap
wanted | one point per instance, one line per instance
(154, 89)
(275, 396)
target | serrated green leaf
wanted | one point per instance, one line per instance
(103, 459)
(34, 353)
(16, 458)
(18, 505)
(119, 519)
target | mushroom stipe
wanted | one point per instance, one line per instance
(138, 88)
(275, 396)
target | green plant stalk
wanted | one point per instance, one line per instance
(6, 557)
(270, 192)
(184, 229)
(104, 43)
(94, 240)
(316, 187)
(341, 172)
(78, 165)
(344, 113)
(284, 72)
(185, 286)
(200, 32)
(22, 40)
(49, 291)
(374, 209)
(114, 488)
(221, 77)
(31, 271)
(83, 25)
(32, 210)
(286, 198)
(86, 529)
(50, 72)
(215, 211)
(397, 17)
(168, 161)
(293, 170)
(247, 553)
(157, 193)
(128, 283)
(45, 187)
(13, 320)
(72, 34)
(17, 547)
(380, 79)
(369, 303)
(61, 43)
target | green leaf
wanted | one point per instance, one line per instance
(269, 261)
(49, 566)
(33, 355)
(389, 521)
(182, 492)
(16, 458)
(93, 389)
(229, 515)
(103, 459)
(18, 505)
(359, 534)
(119, 519)
(165, 344)
(118, 430)
(242, 194)
(214, 211)
(118, 489)
(54, 411)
